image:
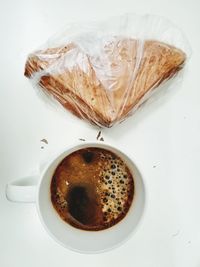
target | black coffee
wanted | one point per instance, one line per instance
(92, 189)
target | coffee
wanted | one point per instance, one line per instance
(92, 189)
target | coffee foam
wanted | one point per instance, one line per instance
(115, 186)
(106, 179)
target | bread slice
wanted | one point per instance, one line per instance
(104, 85)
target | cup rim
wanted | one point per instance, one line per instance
(77, 146)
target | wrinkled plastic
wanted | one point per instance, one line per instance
(103, 71)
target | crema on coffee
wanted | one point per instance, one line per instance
(92, 189)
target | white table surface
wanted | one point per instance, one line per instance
(165, 134)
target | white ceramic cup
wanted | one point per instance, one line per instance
(37, 189)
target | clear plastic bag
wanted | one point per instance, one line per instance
(103, 71)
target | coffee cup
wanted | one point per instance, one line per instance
(37, 189)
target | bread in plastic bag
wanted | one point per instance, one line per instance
(103, 71)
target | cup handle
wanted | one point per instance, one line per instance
(22, 190)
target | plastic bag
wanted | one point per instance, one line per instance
(103, 71)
